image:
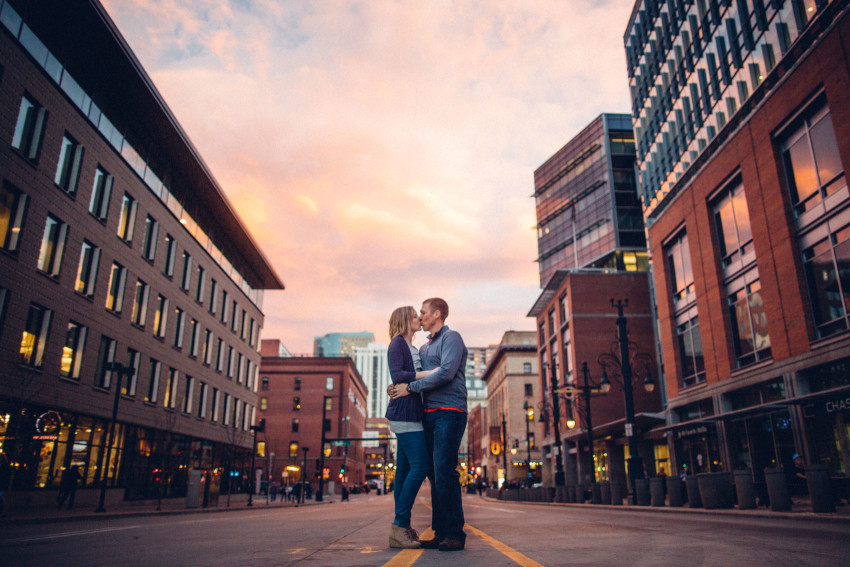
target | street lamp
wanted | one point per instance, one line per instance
(587, 391)
(529, 415)
(320, 491)
(122, 371)
(260, 427)
(303, 474)
(622, 366)
(504, 450)
(556, 416)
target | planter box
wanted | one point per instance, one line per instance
(716, 490)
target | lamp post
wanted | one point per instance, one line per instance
(529, 415)
(122, 371)
(556, 417)
(303, 475)
(623, 366)
(587, 390)
(504, 450)
(320, 491)
(260, 427)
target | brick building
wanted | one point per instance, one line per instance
(576, 324)
(294, 394)
(116, 246)
(749, 227)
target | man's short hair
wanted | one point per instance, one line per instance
(437, 304)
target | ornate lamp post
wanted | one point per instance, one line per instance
(304, 475)
(556, 417)
(529, 415)
(622, 366)
(588, 390)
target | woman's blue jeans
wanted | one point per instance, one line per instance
(412, 465)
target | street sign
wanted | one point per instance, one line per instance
(341, 443)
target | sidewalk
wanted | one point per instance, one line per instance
(801, 509)
(170, 506)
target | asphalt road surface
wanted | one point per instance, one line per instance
(499, 533)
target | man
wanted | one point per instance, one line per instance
(444, 421)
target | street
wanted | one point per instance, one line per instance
(499, 533)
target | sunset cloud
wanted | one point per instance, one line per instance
(382, 152)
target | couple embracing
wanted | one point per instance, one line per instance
(427, 413)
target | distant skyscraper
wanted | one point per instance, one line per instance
(476, 363)
(371, 362)
(588, 211)
(341, 344)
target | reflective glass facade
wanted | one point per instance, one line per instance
(693, 65)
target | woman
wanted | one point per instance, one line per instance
(405, 417)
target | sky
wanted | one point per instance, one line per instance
(382, 152)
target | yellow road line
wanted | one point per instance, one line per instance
(506, 550)
(407, 557)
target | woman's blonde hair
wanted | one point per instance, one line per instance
(400, 321)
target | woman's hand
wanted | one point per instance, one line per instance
(398, 391)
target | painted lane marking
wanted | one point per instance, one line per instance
(64, 534)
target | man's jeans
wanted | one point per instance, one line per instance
(443, 433)
(412, 465)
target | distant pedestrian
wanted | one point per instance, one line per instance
(345, 492)
(68, 487)
(288, 492)
(273, 492)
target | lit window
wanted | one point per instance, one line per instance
(151, 233)
(160, 320)
(296, 403)
(264, 404)
(295, 424)
(12, 207)
(105, 355)
(171, 389)
(128, 388)
(329, 383)
(72, 352)
(170, 254)
(180, 320)
(115, 296)
(87, 269)
(293, 449)
(127, 220)
(140, 303)
(35, 334)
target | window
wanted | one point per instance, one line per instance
(29, 129)
(219, 355)
(101, 191)
(187, 394)
(230, 361)
(236, 404)
(812, 164)
(34, 337)
(105, 355)
(329, 383)
(329, 404)
(180, 320)
(529, 389)
(233, 313)
(732, 222)
(226, 410)
(170, 254)
(72, 352)
(87, 269)
(563, 308)
(295, 424)
(215, 405)
(296, 403)
(186, 278)
(691, 362)
(4, 300)
(224, 307)
(748, 319)
(115, 296)
(151, 234)
(265, 386)
(681, 274)
(251, 336)
(208, 337)
(127, 220)
(140, 303)
(297, 385)
(12, 207)
(202, 282)
(170, 400)
(824, 256)
(153, 381)
(52, 246)
(213, 295)
(293, 448)
(526, 368)
(194, 338)
(202, 400)
(128, 388)
(68, 168)
(239, 358)
(160, 320)
(264, 403)
(247, 372)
